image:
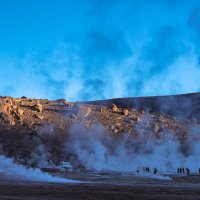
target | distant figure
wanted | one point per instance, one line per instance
(138, 171)
(147, 169)
(155, 171)
(199, 171)
(188, 171)
(183, 170)
(178, 170)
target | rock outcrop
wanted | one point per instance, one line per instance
(27, 121)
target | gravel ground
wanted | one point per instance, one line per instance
(104, 186)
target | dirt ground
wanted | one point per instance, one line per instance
(104, 186)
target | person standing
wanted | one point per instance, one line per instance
(188, 171)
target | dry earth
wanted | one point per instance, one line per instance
(113, 186)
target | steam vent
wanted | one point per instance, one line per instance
(27, 123)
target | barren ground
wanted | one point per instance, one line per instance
(104, 186)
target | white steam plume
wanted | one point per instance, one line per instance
(14, 171)
(97, 150)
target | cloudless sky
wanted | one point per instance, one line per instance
(97, 49)
(26, 25)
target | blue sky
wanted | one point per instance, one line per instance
(98, 49)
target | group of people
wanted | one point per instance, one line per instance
(155, 170)
(183, 171)
(147, 169)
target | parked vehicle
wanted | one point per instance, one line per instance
(65, 166)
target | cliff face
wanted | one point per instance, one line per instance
(27, 126)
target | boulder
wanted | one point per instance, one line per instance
(7, 118)
(115, 108)
(125, 111)
(5, 108)
(38, 107)
(20, 112)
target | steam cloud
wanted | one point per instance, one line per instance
(96, 150)
(127, 48)
(13, 171)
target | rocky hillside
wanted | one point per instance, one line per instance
(29, 125)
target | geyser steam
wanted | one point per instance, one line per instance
(95, 149)
(14, 171)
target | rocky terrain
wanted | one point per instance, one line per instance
(26, 124)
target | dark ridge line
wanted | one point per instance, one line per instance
(182, 105)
